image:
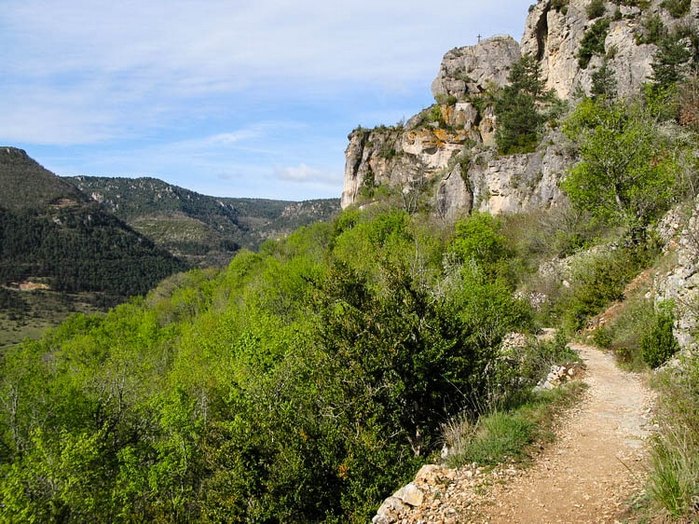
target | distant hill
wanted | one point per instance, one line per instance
(203, 230)
(25, 184)
(55, 240)
(83, 243)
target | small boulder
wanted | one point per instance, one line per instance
(410, 494)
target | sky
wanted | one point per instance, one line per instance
(238, 98)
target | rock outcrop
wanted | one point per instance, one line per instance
(469, 70)
(554, 35)
(681, 283)
(445, 156)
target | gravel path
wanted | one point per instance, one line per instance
(598, 461)
(589, 475)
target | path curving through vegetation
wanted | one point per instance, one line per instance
(597, 464)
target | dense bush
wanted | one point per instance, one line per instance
(658, 343)
(595, 9)
(301, 384)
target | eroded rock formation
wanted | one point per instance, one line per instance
(447, 151)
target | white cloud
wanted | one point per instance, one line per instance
(305, 174)
(221, 44)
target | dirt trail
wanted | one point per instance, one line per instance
(590, 474)
(596, 465)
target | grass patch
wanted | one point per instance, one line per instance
(508, 435)
(674, 478)
(42, 310)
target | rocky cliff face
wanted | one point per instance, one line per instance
(555, 31)
(680, 230)
(446, 151)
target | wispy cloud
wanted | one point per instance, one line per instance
(305, 174)
(197, 78)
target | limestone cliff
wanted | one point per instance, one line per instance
(446, 151)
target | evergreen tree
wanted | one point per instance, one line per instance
(670, 62)
(518, 108)
(604, 82)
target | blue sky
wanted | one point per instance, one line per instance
(227, 98)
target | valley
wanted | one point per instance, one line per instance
(500, 325)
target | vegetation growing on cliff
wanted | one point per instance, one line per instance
(522, 107)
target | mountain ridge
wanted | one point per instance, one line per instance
(204, 230)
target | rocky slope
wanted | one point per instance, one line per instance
(445, 153)
(680, 284)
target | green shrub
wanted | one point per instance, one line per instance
(627, 173)
(652, 30)
(677, 8)
(628, 329)
(445, 100)
(595, 9)
(592, 42)
(598, 282)
(479, 239)
(602, 337)
(658, 343)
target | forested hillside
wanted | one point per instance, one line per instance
(76, 244)
(299, 384)
(203, 230)
(57, 247)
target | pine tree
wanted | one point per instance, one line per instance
(604, 82)
(518, 108)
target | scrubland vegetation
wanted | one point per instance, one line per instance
(305, 382)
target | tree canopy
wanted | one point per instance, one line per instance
(628, 171)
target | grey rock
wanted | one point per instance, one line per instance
(469, 70)
(411, 495)
(390, 511)
(454, 196)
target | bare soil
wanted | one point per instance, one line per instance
(596, 467)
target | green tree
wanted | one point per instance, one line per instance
(627, 170)
(592, 42)
(670, 62)
(479, 240)
(604, 82)
(519, 108)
